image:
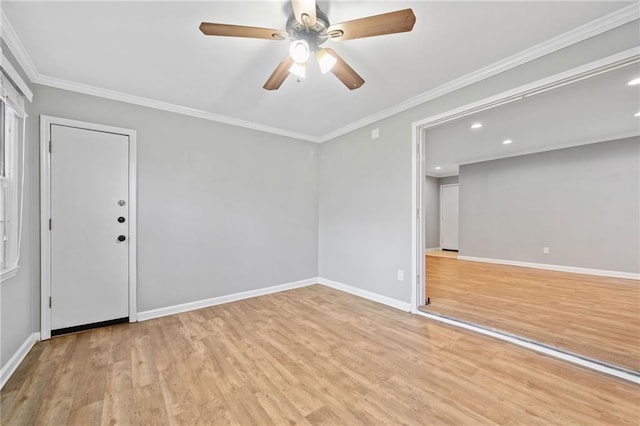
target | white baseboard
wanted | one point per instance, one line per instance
(199, 304)
(16, 359)
(432, 249)
(573, 269)
(394, 303)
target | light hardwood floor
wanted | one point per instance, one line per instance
(307, 356)
(594, 316)
(443, 253)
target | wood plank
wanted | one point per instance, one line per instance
(590, 315)
(307, 356)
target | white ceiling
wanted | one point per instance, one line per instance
(597, 109)
(154, 50)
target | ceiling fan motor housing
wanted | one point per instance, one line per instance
(315, 34)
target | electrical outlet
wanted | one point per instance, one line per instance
(400, 275)
(375, 133)
(545, 250)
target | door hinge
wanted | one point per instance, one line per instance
(50, 224)
(49, 146)
(417, 213)
(49, 301)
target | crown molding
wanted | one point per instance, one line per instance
(165, 106)
(16, 48)
(11, 72)
(590, 29)
(598, 26)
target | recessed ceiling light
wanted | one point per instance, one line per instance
(476, 125)
(438, 168)
(637, 114)
(634, 82)
(506, 141)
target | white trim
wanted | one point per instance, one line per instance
(590, 29)
(610, 63)
(205, 303)
(164, 106)
(45, 238)
(16, 47)
(418, 290)
(560, 268)
(15, 77)
(45, 214)
(133, 224)
(600, 66)
(375, 297)
(546, 350)
(8, 273)
(16, 359)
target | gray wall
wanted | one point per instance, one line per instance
(221, 209)
(583, 203)
(362, 217)
(19, 315)
(364, 248)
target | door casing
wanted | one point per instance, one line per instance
(45, 214)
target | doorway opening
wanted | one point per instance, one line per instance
(545, 299)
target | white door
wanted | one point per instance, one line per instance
(89, 227)
(449, 217)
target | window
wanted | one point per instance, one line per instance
(12, 119)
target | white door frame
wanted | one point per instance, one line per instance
(418, 140)
(440, 212)
(45, 214)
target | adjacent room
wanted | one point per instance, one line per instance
(319, 212)
(532, 221)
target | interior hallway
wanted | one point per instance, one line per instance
(598, 317)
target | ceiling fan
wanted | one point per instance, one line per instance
(309, 28)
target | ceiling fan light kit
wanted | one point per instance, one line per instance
(299, 69)
(326, 61)
(299, 51)
(309, 28)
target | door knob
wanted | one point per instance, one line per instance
(121, 219)
(121, 238)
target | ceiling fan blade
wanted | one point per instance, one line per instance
(399, 21)
(344, 72)
(304, 7)
(279, 74)
(212, 29)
